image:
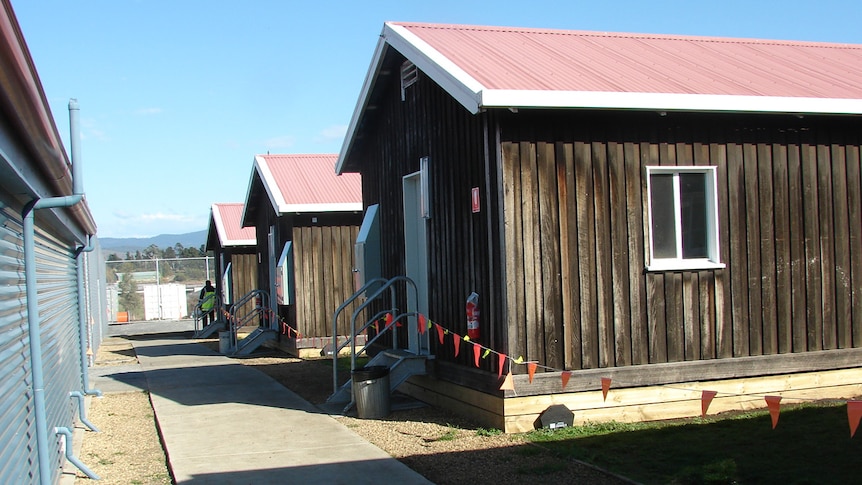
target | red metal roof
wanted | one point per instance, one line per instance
(227, 218)
(560, 60)
(506, 67)
(308, 183)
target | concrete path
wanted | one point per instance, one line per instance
(225, 423)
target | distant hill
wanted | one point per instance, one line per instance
(162, 241)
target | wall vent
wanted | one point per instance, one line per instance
(409, 76)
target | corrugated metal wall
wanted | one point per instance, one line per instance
(17, 424)
(61, 350)
(97, 298)
(56, 270)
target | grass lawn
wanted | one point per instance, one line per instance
(811, 444)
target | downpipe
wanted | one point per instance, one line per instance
(70, 455)
(82, 410)
(33, 326)
(83, 328)
(34, 334)
(78, 188)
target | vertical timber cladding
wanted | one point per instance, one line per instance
(428, 122)
(18, 458)
(576, 238)
(243, 273)
(323, 271)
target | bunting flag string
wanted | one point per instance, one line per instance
(531, 370)
(774, 405)
(854, 408)
(706, 398)
(564, 376)
(854, 413)
(606, 386)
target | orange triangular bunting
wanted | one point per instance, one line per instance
(508, 383)
(774, 404)
(606, 385)
(500, 361)
(439, 333)
(531, 369)
(376, 327)
(565, 375)
(421, 324)
(457, 341)
(476, 352)
(388, 321)
(705, 400)
(854, 413)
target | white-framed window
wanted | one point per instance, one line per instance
(683, 218)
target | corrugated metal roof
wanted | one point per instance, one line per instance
(506, 67)
(560, 60)
(506, 64)
(308, 183)
(227, 218)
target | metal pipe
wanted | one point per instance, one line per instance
(74, 147)
(78, 188)
(82, 410)
(33, 326)
(70, 456)
(83, 329)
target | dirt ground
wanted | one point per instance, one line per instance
(443, 447)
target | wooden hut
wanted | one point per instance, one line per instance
(306, 219)
(235, 251)
(661, 214)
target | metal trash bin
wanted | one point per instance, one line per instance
(371, 391)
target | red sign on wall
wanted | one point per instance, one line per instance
(475, 199)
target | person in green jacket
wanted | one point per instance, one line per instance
(207, 300)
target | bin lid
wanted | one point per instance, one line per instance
(369, 372)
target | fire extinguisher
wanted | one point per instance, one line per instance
(473, 316)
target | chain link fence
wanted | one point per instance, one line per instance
(156, 289)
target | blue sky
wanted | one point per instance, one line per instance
(177, 96)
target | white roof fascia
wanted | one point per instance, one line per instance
(460, 85)
(219, 224)
(222, 230)
(668, 101)
(361, 103)
(454, 80)
(247, 195)
(322, 207)
(272, 189)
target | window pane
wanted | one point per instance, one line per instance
(692, 194)
(663, 218)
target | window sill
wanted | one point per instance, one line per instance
(684, 265)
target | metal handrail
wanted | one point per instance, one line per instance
(335, 347)
(351, 339)
(198, 310)
(238, 321)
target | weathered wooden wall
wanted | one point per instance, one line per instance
(323, 272)
(243, 273)
(462, 250)
(576, 235)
